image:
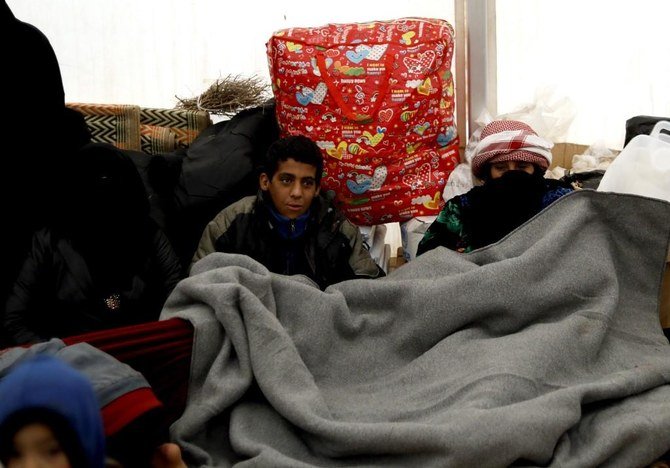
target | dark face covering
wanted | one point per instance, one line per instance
(106, 213)
(501, 205)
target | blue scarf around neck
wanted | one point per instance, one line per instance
(288, 228)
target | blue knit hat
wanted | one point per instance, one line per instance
(47, 383)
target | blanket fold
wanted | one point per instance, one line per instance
(542, 349)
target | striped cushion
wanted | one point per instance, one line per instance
(184, 125)
(150, 130)
(116, 124)
(157, 140)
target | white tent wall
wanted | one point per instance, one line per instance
(608, 58)
(147, 52)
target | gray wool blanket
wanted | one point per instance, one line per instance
(542, 349)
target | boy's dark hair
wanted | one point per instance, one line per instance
(297, 147)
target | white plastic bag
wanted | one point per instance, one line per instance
(595, 157)
(642, 167)
(550, 115)
(459, 182)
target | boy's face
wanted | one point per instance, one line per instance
(36, 445)
(292, 188)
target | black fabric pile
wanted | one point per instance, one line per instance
(217, 169)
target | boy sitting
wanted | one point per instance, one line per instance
(288, 226)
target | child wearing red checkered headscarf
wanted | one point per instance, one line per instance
(510, 159)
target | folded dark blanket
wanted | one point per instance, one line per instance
(542, 349)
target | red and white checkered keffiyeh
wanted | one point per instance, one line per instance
(509, 140)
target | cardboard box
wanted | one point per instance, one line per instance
(562, 153)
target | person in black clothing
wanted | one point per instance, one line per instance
(101, 263)
(38, 131)
(289, 227)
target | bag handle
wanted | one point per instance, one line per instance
(656, 132)
(347, 111)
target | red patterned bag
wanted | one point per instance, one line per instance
(378, 99)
